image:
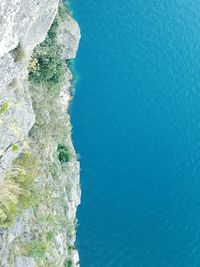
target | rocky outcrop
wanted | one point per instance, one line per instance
(67, 35)
(24, 23)
(32, 118)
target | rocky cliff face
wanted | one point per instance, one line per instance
(39, 172)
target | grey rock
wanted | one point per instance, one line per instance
(25, 21)
(21, 261)
(69, 36)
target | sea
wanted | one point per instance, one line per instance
(136, 127)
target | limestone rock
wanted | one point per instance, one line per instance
(69, 36)
(21, 261)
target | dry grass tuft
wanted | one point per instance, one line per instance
(9, 192)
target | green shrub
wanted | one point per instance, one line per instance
(52, 33)
(62, 11)
(63, 153)
(68, 263)
(4, 107)
(14, 147)
(49, 236)
(8, 214)
(46, 65)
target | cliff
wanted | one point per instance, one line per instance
(39, 171)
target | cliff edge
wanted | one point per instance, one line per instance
(39, 171)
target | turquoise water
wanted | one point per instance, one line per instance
(136, 125)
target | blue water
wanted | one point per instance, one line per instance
(136, 125)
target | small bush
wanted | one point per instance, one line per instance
(62, 11)
(4, 107)
(14, 147)
(8, 214)
(49, 236)
(63, 153)
(68, 263)
(46, 65)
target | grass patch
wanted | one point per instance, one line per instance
(18, 191)
(9, 192)
(9, 195)
(35, 249)
(24, 175)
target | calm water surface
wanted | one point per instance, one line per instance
(136, 125)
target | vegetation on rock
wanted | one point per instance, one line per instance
(68, 263)
(14, 147)
(9, 195)
(4, 107)
(35, 248)
(46, 65)
(18, 191)
(63, 153)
